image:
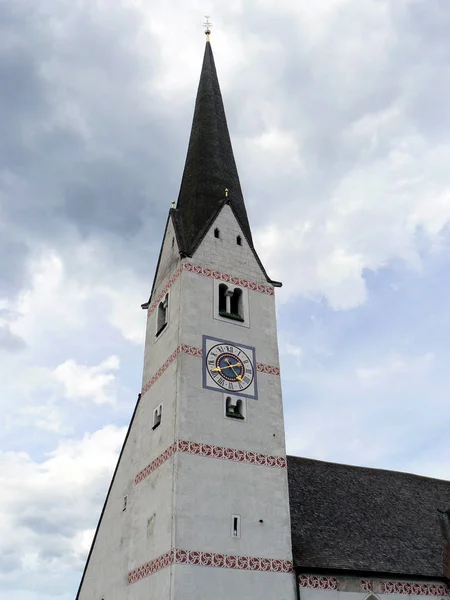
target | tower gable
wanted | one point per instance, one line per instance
(226, 247)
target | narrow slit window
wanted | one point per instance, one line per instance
(239, 240)
(157, 415)
(217, 233)
(162, 315)
(235, 526)
(125, 503)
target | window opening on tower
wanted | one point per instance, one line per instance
(235, 526)
(162, 315)
(217, 233)
(157, 414)
(230, 303)
(234, 409)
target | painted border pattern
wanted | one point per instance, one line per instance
(211, 451)
(155, 464)
(379, 586)
(262, 368)
(182, 348)
(186, 349)
(414, 588)
(317, 582)
(151, 567)
(210, 559)
(251, 285)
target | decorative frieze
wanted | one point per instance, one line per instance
(378, 586)
(198, 270)
(210, 559)
(211, 451)
(186, 349)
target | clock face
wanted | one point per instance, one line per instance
(229, 367)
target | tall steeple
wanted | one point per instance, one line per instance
(198, 506)
(210, 176)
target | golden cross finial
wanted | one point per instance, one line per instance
(226, 192)
(207, 25)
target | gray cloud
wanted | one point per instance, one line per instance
(84, 147)
(9, 340)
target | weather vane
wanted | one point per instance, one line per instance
(207, 25)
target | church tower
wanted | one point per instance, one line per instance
(198, 506)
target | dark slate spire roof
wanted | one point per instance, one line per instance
(371, 521)
(210, 167)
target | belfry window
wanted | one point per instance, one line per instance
(162, 315)
(230, 303)
(239, 240)
(216, 233)
(234, 409)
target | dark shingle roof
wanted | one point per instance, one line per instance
(368, 520)
(210, 167)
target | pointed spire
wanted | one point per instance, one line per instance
(210, 176)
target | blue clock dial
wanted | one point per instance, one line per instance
(230, 367)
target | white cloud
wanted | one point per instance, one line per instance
(395, 366)
(50, 508)
(95, 383)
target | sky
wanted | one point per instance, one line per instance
(339, 117)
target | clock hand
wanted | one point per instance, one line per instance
(238, 377)
(227, 367)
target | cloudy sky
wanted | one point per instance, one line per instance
(339, 116)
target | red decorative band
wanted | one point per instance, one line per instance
(210, 559)
(267, 369)
(413, 588)
(183, 348)
(378, 586)
(251, 285)
(155, 464)
(317, 582)
(234, 454)
(151, 567)
(261, 368)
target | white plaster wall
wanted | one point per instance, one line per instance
(169, 255)
(108, 566)
(209, 491)
(155, 586)
(193, 497)
(205, 583)
(158, 349)
(224, 254)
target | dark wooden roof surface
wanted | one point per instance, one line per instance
(369, 520)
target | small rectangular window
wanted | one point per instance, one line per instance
(235, 526)
(162, 315)
(125, 502)
(157, 414)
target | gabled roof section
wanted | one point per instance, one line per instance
(210, 167)
(371, 521)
